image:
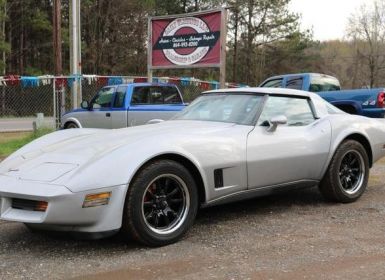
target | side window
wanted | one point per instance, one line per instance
(171, 95)
(294, 83)
(273, 83)
(140, 95)
(119, 96)
(104, 98)
(297, 110)
(156, 95)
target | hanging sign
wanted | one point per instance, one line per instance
(188, 40)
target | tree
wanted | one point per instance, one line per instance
(262, 35)
(254, 25)
(4, 46)
(367, 32)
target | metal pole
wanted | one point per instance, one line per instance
(222, 69)
(74, 47)
(63, 102)
(54, 104)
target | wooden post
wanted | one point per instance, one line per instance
(57, 47)
(57, 37)
(79, 47)
(222, 68)
(149, 49)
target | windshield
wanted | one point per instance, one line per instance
(223, 107)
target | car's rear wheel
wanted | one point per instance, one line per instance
(347, 176)
(161, 204)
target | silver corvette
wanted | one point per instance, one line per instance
(149, 181)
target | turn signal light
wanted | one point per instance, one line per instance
(41, 206)
(92, 200)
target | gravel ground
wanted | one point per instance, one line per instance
(295, 235)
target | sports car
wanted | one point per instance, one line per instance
(148, 182)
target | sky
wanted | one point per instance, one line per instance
(328, 18)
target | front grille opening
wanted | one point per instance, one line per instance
(29, 205)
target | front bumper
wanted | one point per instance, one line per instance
(64, 211)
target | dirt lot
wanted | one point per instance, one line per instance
(289, 236)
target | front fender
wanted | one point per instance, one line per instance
(119, 166)
(71, 119)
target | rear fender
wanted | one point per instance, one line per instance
(336, 142)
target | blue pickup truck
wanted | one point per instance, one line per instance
(126, 105)
(366, 102)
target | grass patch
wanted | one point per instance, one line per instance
(10, 142)
(8, 136)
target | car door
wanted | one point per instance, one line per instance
(293, 152)
(119, 108)
(99, 115)
(153, 102)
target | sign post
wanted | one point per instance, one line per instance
(194, 40)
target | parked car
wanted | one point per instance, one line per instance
(149, 181)
(366, 102)
(126, 105)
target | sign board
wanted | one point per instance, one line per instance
(187, 41)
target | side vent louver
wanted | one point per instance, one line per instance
(218, 178)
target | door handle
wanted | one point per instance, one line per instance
(108, 114)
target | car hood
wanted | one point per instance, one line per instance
(98, 141)
(57, 154)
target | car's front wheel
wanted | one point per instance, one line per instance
(161, 204)
(347, 176)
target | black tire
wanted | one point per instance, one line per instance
(348, 173)
(161, 204)
(70, 125)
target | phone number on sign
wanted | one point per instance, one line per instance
(185, 45)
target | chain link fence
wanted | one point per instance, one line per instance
(22, 99)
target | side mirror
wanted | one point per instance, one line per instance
(85, 104)
(275, 121)
(96, 106)
(154, 121)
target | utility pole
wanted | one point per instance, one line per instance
(75, 52)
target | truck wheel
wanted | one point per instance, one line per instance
(161, 204)
(347, 176)
(70, 125)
